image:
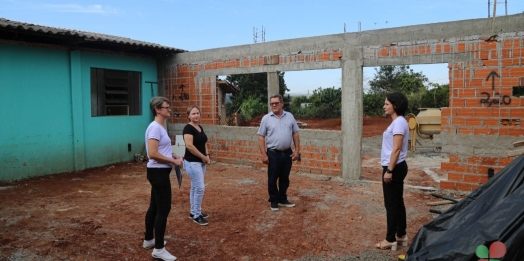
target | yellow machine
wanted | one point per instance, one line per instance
(425, 125)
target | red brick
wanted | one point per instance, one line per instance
(505, 53)
(455, 176)
(472, 102)
(482, 170)
(510, 61)
(482, 112)
(464, 131)
(505, 72)
(453, 158)
(334, 150)
(324, 56)
(508, 81)
(518, 52)
(464, 112)
(473, 122)
(463, 187)
(444, 184)
(458, 121)
(489, 160)
(490, 45)
(467, 93)
(443, 48)
(474, 160)
(472, 178)
(491, 122)
(490, 62)
(483, 73)
(483, 55)
(455, 102)
(483, 179)
(511, 43)
(475, 83)
(475, 187)
(463, 168)
(447, 166)
(461, 47)
(505, 161)
(519, 72)
(517, 132)
(456, 83)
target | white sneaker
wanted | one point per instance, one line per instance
(163, 254)
(148, 244)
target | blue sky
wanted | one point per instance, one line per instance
(206, 24)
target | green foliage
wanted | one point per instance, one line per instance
(252, 87)
(396, 79)
(373, 103)
(323, 104)
(252, 107)
(415, 85)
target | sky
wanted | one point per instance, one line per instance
(206, 24)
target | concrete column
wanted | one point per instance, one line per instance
(352, 106)
(272, 86)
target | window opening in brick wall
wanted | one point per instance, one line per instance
(433, 77)
(115, 92)
(519, 90)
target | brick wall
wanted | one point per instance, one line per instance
(318, 158)
(482, 100)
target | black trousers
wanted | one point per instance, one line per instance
(159, 205)
(394, 202)
(278, 168)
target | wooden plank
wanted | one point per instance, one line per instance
(513, 153)
(437, 203)
(518, 143)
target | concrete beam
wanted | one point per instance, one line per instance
(422, 32)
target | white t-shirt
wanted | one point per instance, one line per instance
(158, 132)
(398, 127)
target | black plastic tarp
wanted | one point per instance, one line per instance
(493, 212)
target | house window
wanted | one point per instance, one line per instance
(115, 92)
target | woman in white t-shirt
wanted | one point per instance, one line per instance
(394, 170)
(159, 166)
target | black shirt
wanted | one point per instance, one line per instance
(199, 141)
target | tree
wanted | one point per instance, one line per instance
(402, 79)
(437, 96)
(323, 103)
(253, 92)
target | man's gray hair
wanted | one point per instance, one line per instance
(277, 95)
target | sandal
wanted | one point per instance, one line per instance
(403, 240)
(387, 245)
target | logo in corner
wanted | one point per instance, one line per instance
(495, 252)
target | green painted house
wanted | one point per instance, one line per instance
(72, 100)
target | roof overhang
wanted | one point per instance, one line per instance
(12, 31)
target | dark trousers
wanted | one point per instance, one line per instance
(278, 169)
(159, 205)
(394, 202)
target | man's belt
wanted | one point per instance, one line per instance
(280, 151)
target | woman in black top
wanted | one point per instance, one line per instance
(195, 159)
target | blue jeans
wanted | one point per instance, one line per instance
(196, 172)
(278, 169)
(159, 205)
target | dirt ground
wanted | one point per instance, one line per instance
(98, 214)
